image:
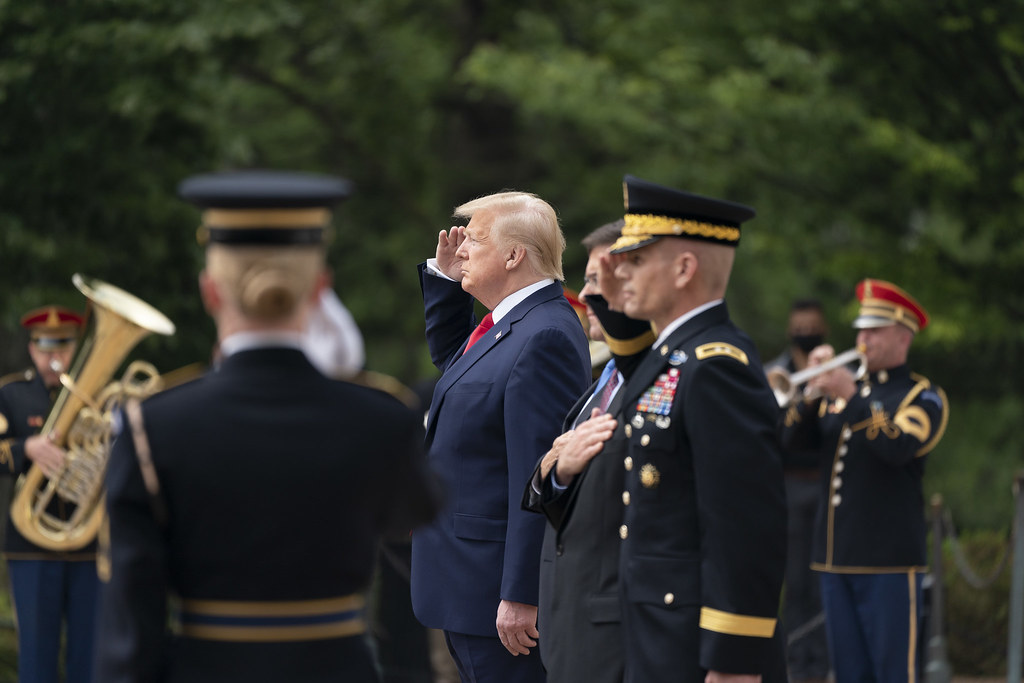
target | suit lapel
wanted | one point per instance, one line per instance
(501, 330)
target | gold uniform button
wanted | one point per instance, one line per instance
(847, 434)
(843, 450)
(865, 390)
(840, 466)
(837, 483)
(836, 500)
(664, 349)
(625, 497)
(629, 430)
(669, 598)
(628, 462)
(623, 532)
(645, 439)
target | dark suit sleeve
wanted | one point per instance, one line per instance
(133, 603)
(548, 376)
(448, 311)
(741, 503)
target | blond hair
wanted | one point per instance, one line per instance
(265, 283)
(523, 219)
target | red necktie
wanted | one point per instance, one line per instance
(481, 329)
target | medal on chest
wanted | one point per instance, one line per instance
(657, 400)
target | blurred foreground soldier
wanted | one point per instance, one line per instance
(49, 587)
(807, 655)
(873, 436)
(505, 389)
(704, 529)
(253, 498)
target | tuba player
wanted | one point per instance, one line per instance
(49, 587)
(245, 506)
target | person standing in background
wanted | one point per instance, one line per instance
(49, 588)
(506, 386)
(872, 436)
(807, 654)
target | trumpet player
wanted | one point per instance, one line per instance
(873, 436)
(48, 587)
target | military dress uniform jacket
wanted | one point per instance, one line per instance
(25, 404)
(704, 531)
(873, 452)
(274, 485)
(579, 615)
(495, 411)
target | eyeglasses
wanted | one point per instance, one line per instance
(590, 280)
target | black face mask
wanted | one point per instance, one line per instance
(807, 342)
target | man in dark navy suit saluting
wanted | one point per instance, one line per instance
(506, 386)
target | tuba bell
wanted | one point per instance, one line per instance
(81, 419)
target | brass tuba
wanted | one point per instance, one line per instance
(81, 420)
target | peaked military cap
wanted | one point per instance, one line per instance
(655, 211)
(264, 207)
(52, 326)
(883, 303)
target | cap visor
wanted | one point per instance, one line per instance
(631, 242)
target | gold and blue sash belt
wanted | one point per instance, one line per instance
(269, 621)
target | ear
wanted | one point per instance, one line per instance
(515, 257)
(212, 301)
(686, 267)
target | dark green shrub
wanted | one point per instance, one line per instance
(976, 619)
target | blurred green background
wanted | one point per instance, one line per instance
(875, 138)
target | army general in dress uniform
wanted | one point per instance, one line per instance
(245, 507)
(704, 528)
(50, 587)
(873, 437)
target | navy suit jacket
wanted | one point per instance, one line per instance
(494, 412)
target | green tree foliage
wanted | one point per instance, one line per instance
(875, 138)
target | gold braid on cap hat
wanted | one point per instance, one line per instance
(645, 225)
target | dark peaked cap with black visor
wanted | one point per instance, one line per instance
(264, 207)
(654, 211)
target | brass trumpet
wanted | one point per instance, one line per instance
(82, 419)
(785, 385)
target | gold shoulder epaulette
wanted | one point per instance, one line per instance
(721, 349)
(387, 384)
(25, 375)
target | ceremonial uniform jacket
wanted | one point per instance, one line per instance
(704, 531)
(25, 404)
(872, 462)
(256, 507)
(495, 411)
(579, 613)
